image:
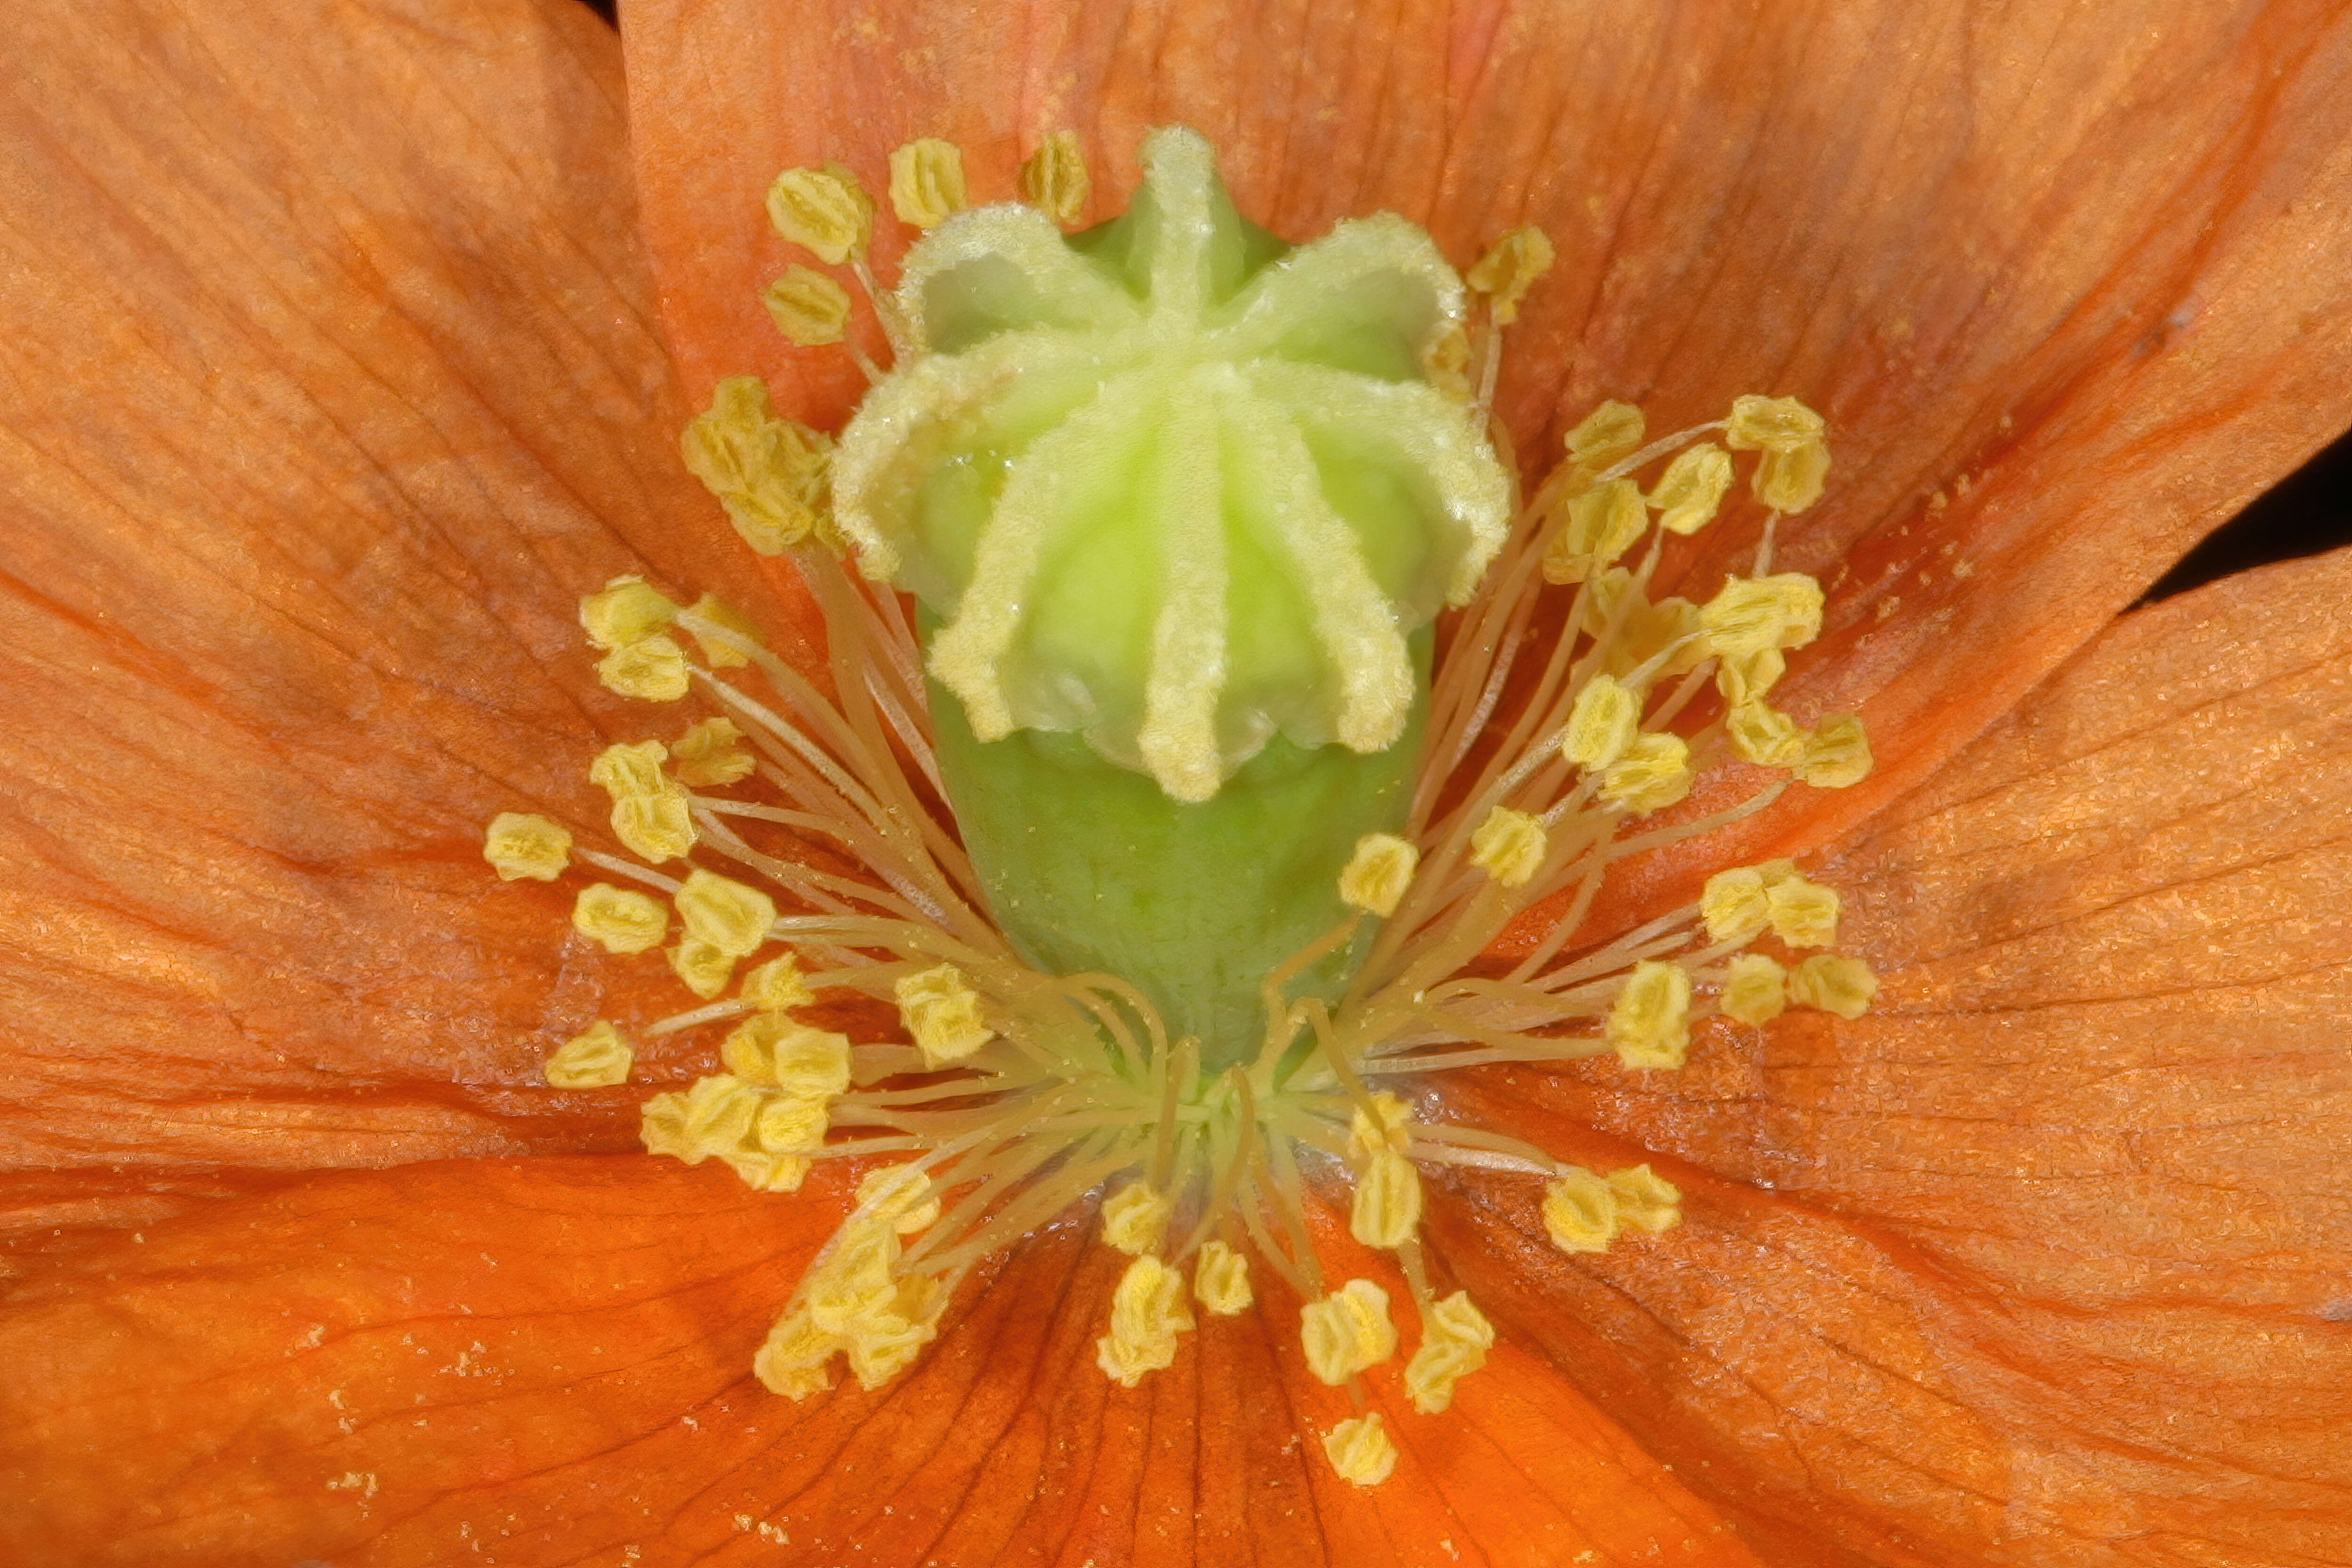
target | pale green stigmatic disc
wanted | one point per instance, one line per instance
(1179, 503)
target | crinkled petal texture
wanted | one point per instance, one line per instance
(2048, 1258)
(544, 1361)
(329, 385)
(2064, 283)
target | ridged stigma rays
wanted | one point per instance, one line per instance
(1203, 707)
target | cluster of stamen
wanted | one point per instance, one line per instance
(789, 847)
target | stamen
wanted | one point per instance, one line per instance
(1755, 989)
(1053, 179)
(1834, 985)
(1135, 1218)
(619, 919)
(823, 210)
(1346, 1332)
(598, 1058)
(1455, 1338)
(1361, 1449)
(1146, 1313)
(808, 308)
(519, 845)
(927, 182)
(1220, 1279)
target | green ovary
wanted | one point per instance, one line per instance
(1178, 504)
(1089, 867)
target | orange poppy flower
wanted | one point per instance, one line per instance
(333, 378)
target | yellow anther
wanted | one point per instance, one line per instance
(1645, 630)
(1346, 1332)
(1377, 873)
(1221, 1281)
(1833, 984)
(1645, 1200)
(777, 986)
(1750, 614)
(942, 1012)
(1804, 914)
(903, 1195)
(714, 1115)
(1654, 774)
(1733, 904)
(789, 1124)
(598, 1058)
(1387, 1205)
(1055, 178)
(1394, 1132)
(1509, 846)
(854, 1279)
(651, 813)
(766, 1170)
(1455, 1338)
(1746, 678)
(730, 916)
(721, 655)
(768, 473)
(1837, 753)
(1579, 1211)
(1146, 1313)
(1509, 269)
(651, 669)
(1609, 432)
(1755, 989)
(1689, 492)
(710, 753)
(1361, 1449)
(794, 1359)
(1134, 1217)
(619, 919)
(520, 844)
(1649, 1023)
(775, 1050)
(808, 308)
(1764, 735)
(1737, 904)
(826, 210)
(887, 1341)
(1771, 425)
(1602, 524)
(700, 967)
(927, 182)
(625, 610)
(1794, 480)
(1606, 717)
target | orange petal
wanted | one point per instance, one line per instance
(332, 389)
(2052, 280)
(548, 1357)
(2045, 1258)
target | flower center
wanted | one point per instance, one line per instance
(1180, 856)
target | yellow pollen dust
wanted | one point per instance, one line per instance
(786, 842)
